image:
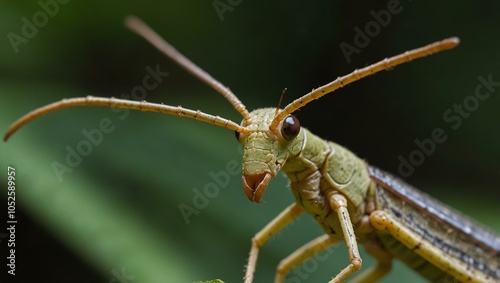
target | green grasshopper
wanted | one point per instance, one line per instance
(351, 200)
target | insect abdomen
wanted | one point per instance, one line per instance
(413, 260)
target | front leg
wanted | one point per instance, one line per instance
(278, 223)
(339, 204)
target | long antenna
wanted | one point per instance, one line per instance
(143, 30)
(358, 74)
(139, 27)
(128, 104)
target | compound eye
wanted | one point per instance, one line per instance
(290, 127)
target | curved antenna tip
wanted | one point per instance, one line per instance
(453, 41)
(131, 20)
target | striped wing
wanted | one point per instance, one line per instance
(459, 237)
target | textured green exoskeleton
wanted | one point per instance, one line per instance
(352, 201)
(319, 169)
(313, 166)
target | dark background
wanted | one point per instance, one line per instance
(120, 207)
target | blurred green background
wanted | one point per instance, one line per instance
(118, 211)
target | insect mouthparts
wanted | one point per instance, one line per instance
(255, 185)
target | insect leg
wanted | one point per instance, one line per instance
(278, 223)
(339, 204)
(303, 253)
(384, 263)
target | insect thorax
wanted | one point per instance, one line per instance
(322, 166)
